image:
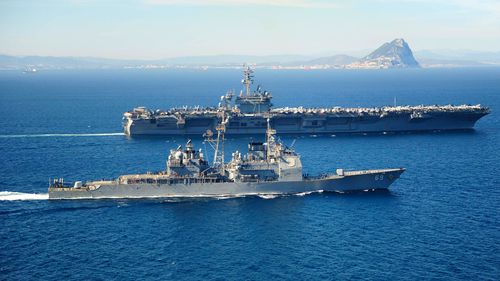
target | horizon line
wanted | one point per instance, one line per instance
(340, 53)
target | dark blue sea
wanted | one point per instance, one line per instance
(439, 221)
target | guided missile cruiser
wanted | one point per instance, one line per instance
(269, 168)
(249, 110)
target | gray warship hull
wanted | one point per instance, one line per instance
(251, 109)
(328, 121)
(348, 181)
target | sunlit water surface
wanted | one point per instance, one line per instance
(439, 221)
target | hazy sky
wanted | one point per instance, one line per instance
(169, 28)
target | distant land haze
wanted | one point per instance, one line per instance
(394, 54)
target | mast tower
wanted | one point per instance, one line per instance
(218, 144)
(271, 142)
(247, 79)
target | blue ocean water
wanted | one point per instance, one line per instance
(439, 221)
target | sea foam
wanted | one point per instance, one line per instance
(15, 196)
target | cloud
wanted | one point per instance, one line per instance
(491, 6)
(274, 3)
(487, 6)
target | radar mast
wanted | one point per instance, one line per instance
(247, 79)
(218, 144)
(270, 140)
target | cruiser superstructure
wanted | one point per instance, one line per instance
(269, 167)
(250, 109)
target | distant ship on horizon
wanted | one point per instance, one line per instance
(250, 109)
(30, 70)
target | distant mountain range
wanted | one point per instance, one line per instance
(394, 54)
(337, 60)
(457, 58)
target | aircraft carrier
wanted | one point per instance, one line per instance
(250, 109)
(269, 168)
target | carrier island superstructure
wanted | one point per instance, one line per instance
(249, 110)
(269, 168)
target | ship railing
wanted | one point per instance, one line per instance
(318, 177)
(60, 183)
(257, 179)
(343, 173)
(177, 180)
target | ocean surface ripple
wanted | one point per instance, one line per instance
(439, 221)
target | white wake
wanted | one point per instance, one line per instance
(15, 196)
(268, 196)
(20, 196)
(308, 192)
(61, 135)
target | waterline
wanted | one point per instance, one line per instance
(62, 135)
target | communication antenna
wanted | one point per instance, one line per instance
(247, 79)
(218, 144)
(270, 139)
